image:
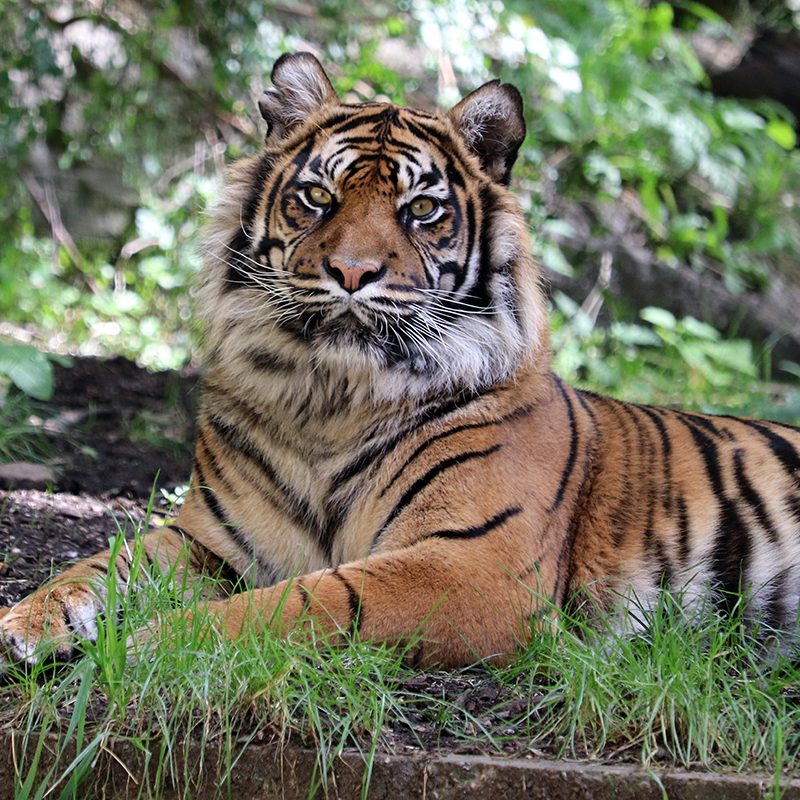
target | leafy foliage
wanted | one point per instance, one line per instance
(664, 360)
(145, 100)
(28, 368)
(626, 120)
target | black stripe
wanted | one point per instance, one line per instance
(462, 270)
(654, 547)
(426, 479)
(353, 602)
(298, 162)
(703, 422)
(295, 507)
(683, 532)
(664, 564)
(344, 111)
(573, 448)
(567, 565)
(561, 590)
(488, 202)
(225, 572)
(567, 553)
(763, 422)
(731, 554)
(753, 498)
(214, 464)
(646, 458)
(265, 361)
(621, 514)
(240, 271)
(240, 539)
(252, 419)
(781, 448)
(666, 456)
(583, 400)
(427, 132)
(793, 505)
(354, 121)
(377, 450)
(451, 432)
(269, 243)
(260, 177)
(210, 499)
(709, 452)
(775, 610)
(784, 425)
(448, 151)
(479, 530)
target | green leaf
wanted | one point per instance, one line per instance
(791, 367)
(735, 354)
(638, 335)
(555, 260)
(659, 317)
(700, 330)
(559, 126)
(28, 369)
(651, 202)
(782, 133)
(742, 119)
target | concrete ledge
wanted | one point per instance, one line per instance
(266, 771)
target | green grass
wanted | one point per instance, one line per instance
(704, 696)
(193, 689)
(20, 439)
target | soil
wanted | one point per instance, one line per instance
(114, 435)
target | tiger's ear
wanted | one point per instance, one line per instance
(300, 87)
(491, 123)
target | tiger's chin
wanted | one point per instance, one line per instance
(339, 329)
(368, 350)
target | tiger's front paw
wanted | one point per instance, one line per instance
(48, 623)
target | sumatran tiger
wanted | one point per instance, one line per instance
(382, 447)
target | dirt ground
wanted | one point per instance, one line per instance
(113, 434)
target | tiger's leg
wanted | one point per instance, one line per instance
(432, 594)
(66, 608)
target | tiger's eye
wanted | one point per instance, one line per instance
(319, 196)
(421, 207)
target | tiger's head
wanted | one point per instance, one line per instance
(376, 242)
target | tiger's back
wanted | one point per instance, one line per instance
(382, 446)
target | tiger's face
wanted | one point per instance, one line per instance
(369, 238)
(381, 240)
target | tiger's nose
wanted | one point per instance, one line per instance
(352, 275)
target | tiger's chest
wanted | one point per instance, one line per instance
(327, 509)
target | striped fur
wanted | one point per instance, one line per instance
(382, 447)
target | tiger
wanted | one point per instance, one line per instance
(383, 449)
